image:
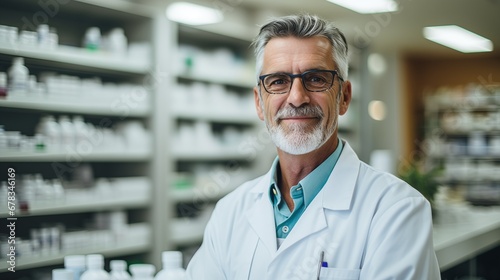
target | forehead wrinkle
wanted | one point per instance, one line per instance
(294, 55)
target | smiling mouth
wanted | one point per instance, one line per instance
(298, 118)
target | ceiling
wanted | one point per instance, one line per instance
(400, 31)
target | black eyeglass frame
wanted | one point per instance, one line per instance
(301, 75)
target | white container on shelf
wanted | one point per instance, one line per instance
(62, 274)
(477, 144)
(76, 264)
(67, 131)
(119, 270)
(51, 130)
(95, 268)
(172, 266)
(92, 39)
(117, 42)
(18, 76)
(142, 271)
(3, 84)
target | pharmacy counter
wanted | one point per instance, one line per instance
(463, 233)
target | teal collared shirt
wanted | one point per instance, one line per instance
(302, 193)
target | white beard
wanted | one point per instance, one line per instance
(297, 140)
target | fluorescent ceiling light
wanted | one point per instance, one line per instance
(457, 38)
(192, 14)
(368, 6)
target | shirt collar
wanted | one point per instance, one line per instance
(312, 183)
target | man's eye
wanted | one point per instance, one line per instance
(276, 81)
(316, 79)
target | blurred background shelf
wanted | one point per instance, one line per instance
(87, 107)
(102, 156)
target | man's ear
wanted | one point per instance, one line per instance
(258, 104)
(345, 97)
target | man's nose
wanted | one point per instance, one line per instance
(298, 95)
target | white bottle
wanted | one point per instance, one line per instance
(62, 274)
(76, 264)
(18, 76)
(81, 130)
(67, 131)
(95, 268)
(119, 270)
(3, 84)
(51, 130)
(3, 140)
(172, 266)
(43, 32)
(117, 42)
(142, 271)
(92, 39)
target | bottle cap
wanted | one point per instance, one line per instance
(74, 261)
(95, 261)
(171, 259)
(118, 265)
(18, 60)
(62, 274)
(142, 270)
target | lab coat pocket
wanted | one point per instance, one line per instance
(339, 274)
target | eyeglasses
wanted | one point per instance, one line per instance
(312, 80)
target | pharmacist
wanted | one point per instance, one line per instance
(319, 213)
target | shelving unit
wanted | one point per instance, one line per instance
(207, 101)
(21, 111)
(463, 137)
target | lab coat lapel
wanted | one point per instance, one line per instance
(312, 220)
(261, 216)
(336, 194)
(339, 189)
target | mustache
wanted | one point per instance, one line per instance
(303, 111)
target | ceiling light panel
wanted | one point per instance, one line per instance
(192, 14)
(458, 38)
(368, 6)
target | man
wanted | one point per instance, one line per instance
(319, 213)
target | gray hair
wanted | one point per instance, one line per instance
(303, 26)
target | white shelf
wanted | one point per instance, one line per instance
(469, 132)
(71, 56)
(487, 157)
(97, 203)
(459, 241)
(194, 194)
(122, 155)
(213, 154)
(217, 116)
(138, 245)
(87, 107)
(236, 82)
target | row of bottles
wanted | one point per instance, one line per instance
(91, 267)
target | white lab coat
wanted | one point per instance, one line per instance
(370, 225)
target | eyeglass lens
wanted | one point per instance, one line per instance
(313, 81)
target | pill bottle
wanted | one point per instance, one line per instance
(95, 268)
(62, 274)
(119, 270)
(76, 264)
(172, 266)
(142, 271)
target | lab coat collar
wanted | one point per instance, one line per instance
(260, 215)
(336, 195)
(339, 189)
